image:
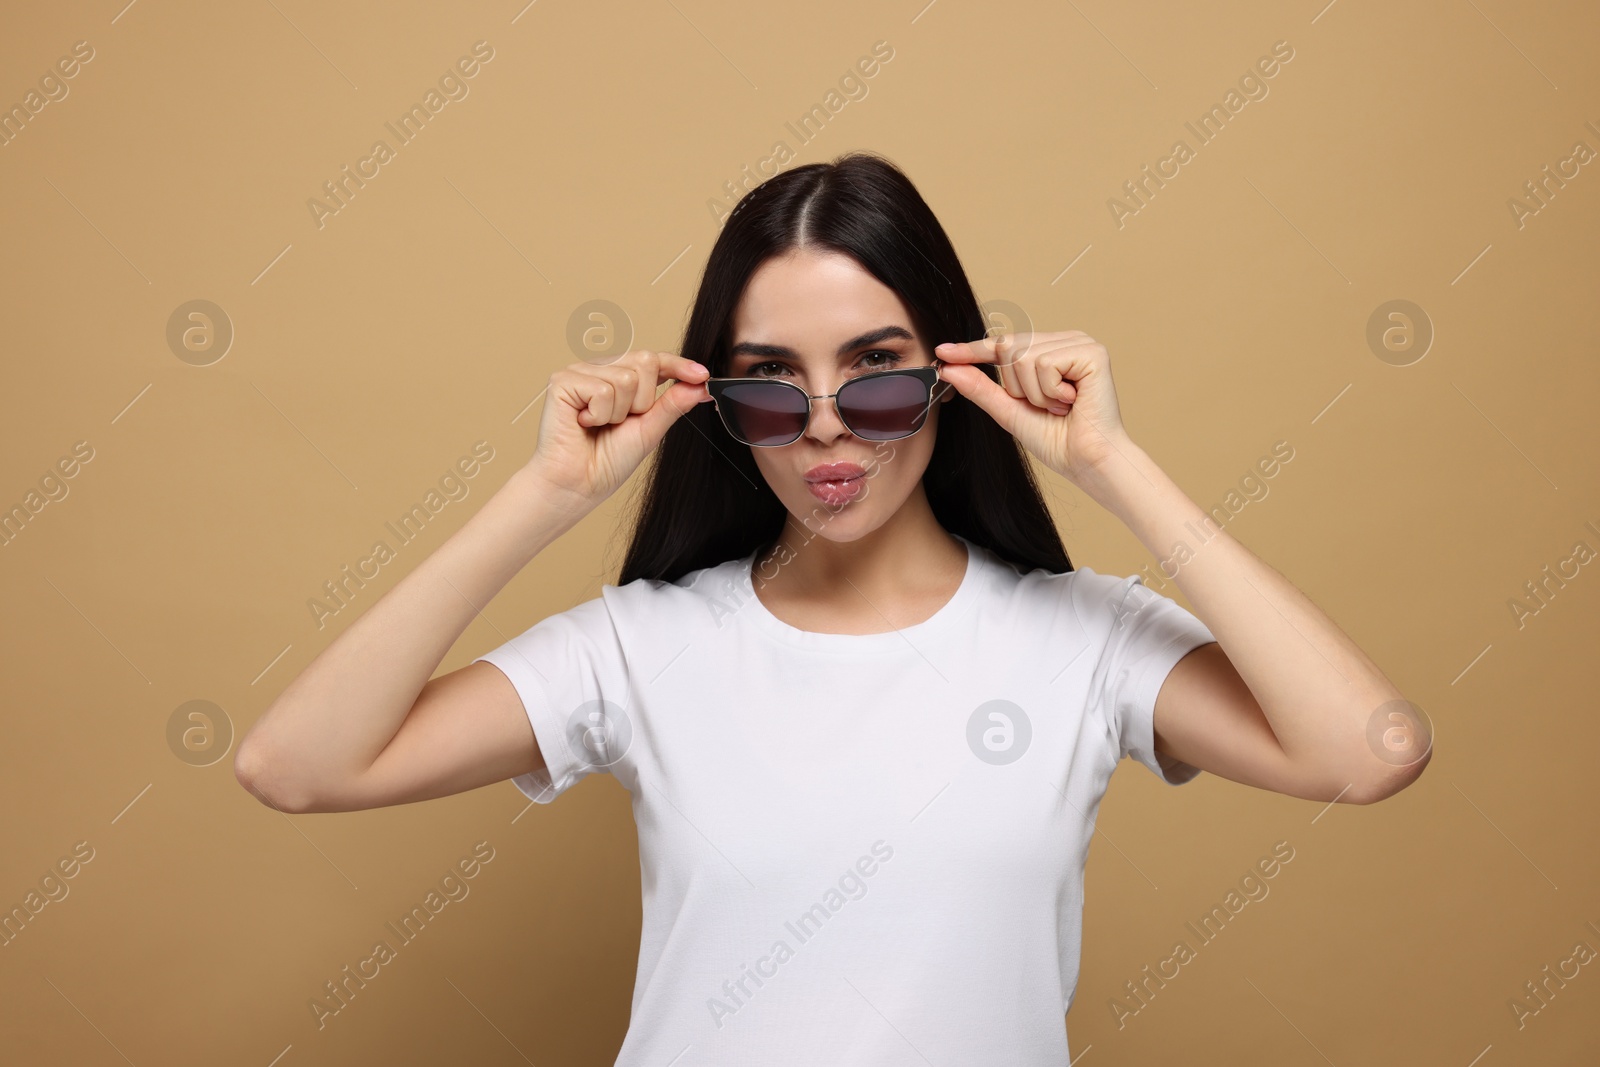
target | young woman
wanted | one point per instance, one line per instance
(865, 706)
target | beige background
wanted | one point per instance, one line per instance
(371, 353)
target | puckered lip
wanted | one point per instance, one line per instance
(834, 472)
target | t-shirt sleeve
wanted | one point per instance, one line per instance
(570, 673)
(1148, 634)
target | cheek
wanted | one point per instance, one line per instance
(763, 462)
(902, 463)
(784, 481)
(771, 468)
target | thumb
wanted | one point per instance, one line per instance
(985, 392)
(669, 407)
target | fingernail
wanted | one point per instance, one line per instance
(698, 367)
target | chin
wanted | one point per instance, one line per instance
(840, 529)
(844, 524)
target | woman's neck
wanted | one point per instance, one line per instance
(895, 576)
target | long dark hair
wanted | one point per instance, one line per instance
(706, 502)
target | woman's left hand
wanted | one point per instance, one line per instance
(1055, 396)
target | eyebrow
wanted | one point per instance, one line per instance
(871, 337)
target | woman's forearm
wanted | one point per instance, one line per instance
(332, 721)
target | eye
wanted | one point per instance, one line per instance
(878, 359)
(891, 360)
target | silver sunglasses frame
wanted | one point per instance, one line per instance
(934, 395)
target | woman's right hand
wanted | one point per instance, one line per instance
(600, 420)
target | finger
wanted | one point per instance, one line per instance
(585, 393)
(670, 367)
(986, 349)
(982, 390)
(1005, 359)
(637, 376)
(1065, 366)
(624, 381)
(979, 351)
(600, 397)
(1053, 380)
(679, 399)
(1024, 360)
(651, 369)
(646, 379)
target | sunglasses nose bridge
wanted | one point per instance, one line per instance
(815, 410)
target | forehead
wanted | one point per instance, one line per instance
(812, 301)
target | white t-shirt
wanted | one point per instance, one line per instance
(855, 849)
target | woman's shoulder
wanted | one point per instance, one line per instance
(1077, 592)
(1018, 580)
(694, 593)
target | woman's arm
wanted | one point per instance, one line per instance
(363, 726)
(313, 745)
(1283, 699)
(1286, 701)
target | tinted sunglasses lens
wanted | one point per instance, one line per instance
(763, 413)
(884, 407)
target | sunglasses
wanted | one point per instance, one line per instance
(880, 406)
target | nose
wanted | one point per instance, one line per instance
(826, 426)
